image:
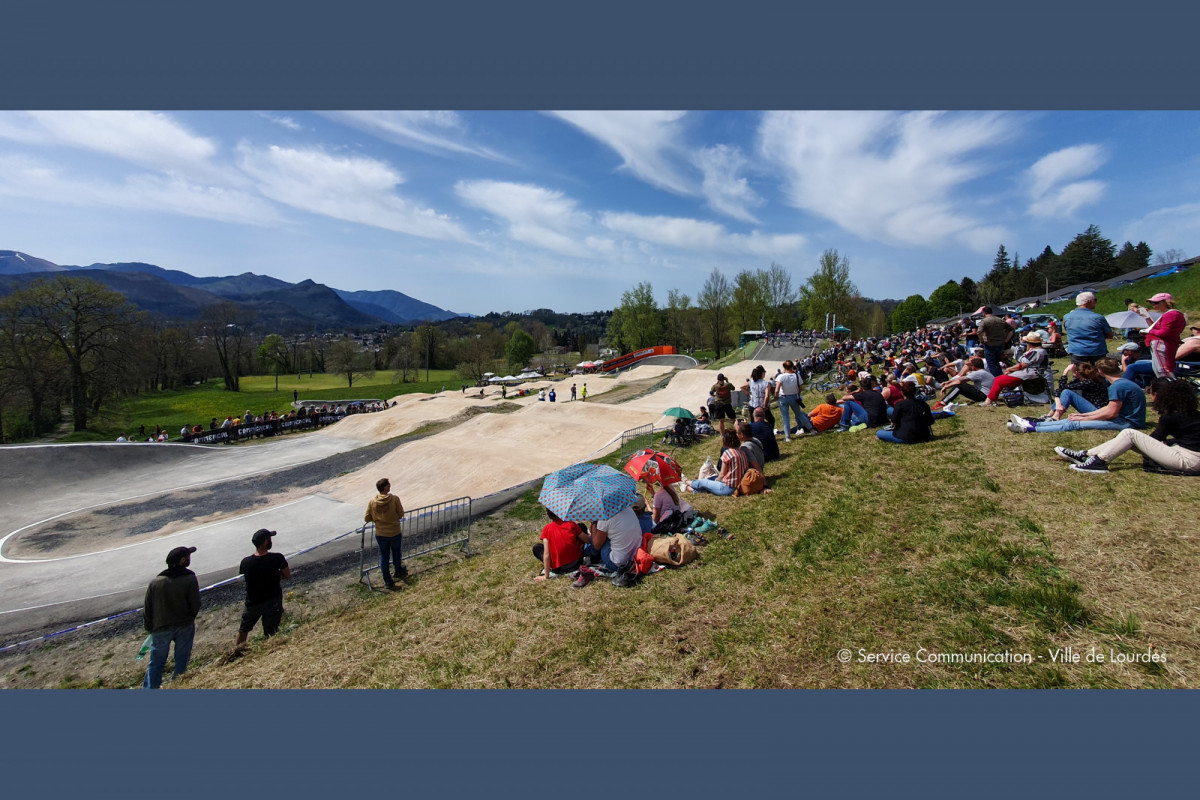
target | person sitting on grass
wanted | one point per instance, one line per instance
(826, 415)
(1178, 417)
(763, 431)
(1080, 380)
(863, 405)
(912, 421)
(1030, 365)
(751, 446)
(560, 547)
(733, 466)
(1126, 408)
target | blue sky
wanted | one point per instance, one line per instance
(495, 211)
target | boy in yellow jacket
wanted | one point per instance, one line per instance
(386, 512)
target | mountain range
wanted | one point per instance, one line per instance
(178, 295)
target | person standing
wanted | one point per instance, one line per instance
(553, 396)
(1162, 337)
(169, 614)
(1087, 331)
(583, 393)
(296, 395)
(572, 391)
(264, 571)
(995, 334)
(787, 386)
(386, 511)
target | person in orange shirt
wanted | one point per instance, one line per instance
(827, 415)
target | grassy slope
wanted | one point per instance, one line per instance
(979, 541)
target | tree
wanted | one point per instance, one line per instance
(971, 290)
(1171, 256)
(714, 302)
(1089, 257)
(751, 299)
(91, 326)
(678, 305)
(477, 351)
(520, 348)
(829, 290)
(33, 377)
(911, 314)
(344, 357)
(1132, 258)
(782, 297)
(274, 351)
(948, 300)
(228, 328)
(638, 321)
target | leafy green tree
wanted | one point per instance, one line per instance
(520, 349)
(948, 300)
(714, 303)
(750, 300)
(781, 306)
(1132, 258)
(829, 290)
(678, 305)
(1088, 257)
(911, 314)
(274, 351)
(344, 357)
(639, 322)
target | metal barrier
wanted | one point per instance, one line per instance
(424, 530)
(641, 437)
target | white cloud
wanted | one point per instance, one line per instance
(1166, 228)
(1054, 191)
(885, 176)
(360, 190)
(535, 215)
(428, 131)
(726, 192)
(281, 121)
(29, 179)
(699, 235)
(140, 137)
(645, 141)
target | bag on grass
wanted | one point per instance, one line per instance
(753, 482)
(707, 470)
(673, 550)
(1013, 397)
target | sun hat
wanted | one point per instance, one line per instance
(1031, 338)
(1161, 297)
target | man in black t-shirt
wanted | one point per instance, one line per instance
(264, 596)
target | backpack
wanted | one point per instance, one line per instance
(753, 482)
(674, 550)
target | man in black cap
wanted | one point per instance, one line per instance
(264, 596)
(172, 603)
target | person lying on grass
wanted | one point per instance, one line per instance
(1178, 417)
(560, 548)
(1126, 408)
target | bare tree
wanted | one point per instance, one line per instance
(227, 326)
(714, 302)
(344, 357)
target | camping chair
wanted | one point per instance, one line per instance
(1037, 390)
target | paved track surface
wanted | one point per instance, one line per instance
(45, 485)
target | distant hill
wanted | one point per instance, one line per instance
(179, 295)
(14, 263)
(398, 306)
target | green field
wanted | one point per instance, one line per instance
(199, 404)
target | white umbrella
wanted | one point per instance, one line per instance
(1129, 319)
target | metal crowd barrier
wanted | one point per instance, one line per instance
(643, 436)
(424, 530)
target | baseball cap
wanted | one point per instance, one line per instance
(178, 554)
(1160, 297)
(1128, 346)
(261, 535)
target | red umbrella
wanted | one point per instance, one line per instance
(654, 467)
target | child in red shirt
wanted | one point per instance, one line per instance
(562, 552)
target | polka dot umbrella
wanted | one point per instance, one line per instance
(587, 492)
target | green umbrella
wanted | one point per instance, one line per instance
(676, 411)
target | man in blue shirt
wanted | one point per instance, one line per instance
(1126, 408)
(1086, 330)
